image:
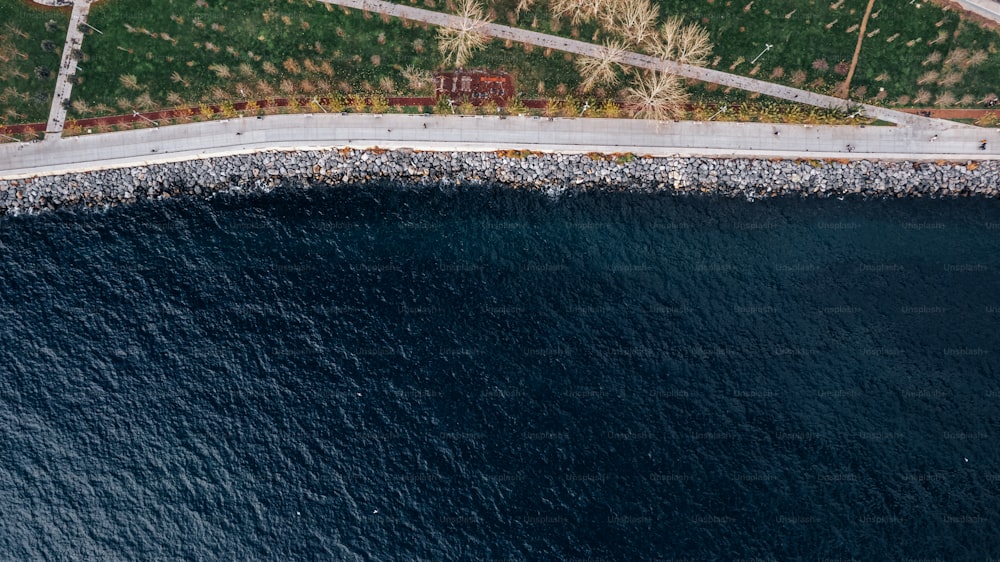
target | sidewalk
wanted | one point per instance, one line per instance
(481, 133)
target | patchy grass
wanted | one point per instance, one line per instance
(188, 52)
(27, 67)
(900, 37)
(812, 46)
(235, 49)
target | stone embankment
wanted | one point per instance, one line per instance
(553, 173)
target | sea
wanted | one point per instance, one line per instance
(392, 372)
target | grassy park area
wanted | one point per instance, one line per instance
(913, 53)
(186, 52)
(31, 42)
(191, 52)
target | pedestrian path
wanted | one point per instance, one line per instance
(490, 133)
(67, 68)
(917, 137)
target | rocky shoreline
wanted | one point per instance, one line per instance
(553, 173)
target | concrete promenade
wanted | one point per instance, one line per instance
(914, 137)
(471, 133)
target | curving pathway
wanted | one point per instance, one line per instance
(918, 138)
(482, 133)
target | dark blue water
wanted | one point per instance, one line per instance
(394, 374)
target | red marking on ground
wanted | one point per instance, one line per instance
(952, 113)
(477, 86)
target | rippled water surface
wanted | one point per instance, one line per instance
(382, 373)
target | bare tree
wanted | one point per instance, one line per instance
(579, 11)
(633, 20)
(664, 44)
(418, 79)
(458, 44)
(16, 30)
(524, 6)
(264, 88)
(603, 70)
(129, 82)
(686, 44)
(387, 85)
(694, 46)
(221, 70)
(978, 57)
(81, 107)
(176, 77)
(145, 101)
(656, 95)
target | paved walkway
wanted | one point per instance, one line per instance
(919, 138)
(649, 62)
(64, 87)
(481, 133)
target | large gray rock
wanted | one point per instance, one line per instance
(552, 173)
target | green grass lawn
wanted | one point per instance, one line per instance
(186, 52)
(183, 50)
(916, 52)
(25, 86)
(904, 43)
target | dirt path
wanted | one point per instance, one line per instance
(845, 91)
